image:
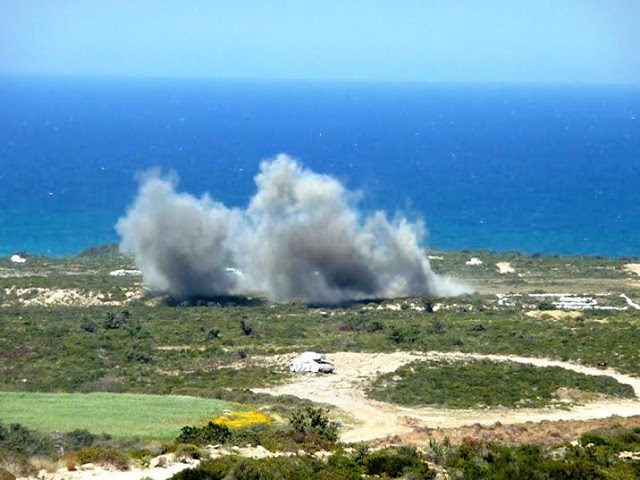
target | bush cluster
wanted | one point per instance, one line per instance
(106, 456)
(479, 461)
(210, 434)
(387, 463)
(310, 421)
(461, 384)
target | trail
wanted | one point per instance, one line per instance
(374, 420)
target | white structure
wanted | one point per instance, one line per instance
(18, 259)
(122, 272)
(474, 261)
(311, 362)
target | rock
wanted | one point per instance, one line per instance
(158, 462)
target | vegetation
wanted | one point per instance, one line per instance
(105, 456)
(148, 416)
(478, 461)
(108, 353)
(387, 463)
(458, 384)
(310, 422)
(308, 428)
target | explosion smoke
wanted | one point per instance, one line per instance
(300, 238)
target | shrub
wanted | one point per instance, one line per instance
(212, 433)
(395, 335)
(139, 354)
(289, 468)
(111, 321)
(592, 438)
(142, 455)
(374, 326)
(25, 441)
(546, 305)
(187, 450)
(397, 462)
(213, 333)
(88, 325)
(77, 439)
(245, 328)
(103, 456)
(353, 324)
(314, 421)
(436, 326)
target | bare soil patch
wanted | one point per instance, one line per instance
(633, 268)
(554, 314)
(505, 267)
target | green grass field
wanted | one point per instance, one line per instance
(120, 415)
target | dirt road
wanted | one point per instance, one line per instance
(370, 419)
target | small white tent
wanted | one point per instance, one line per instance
(311, 362)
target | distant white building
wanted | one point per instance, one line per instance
(123, 272)
(17, 259)
(474, 261)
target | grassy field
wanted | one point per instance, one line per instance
(119, 415)
(486, 384)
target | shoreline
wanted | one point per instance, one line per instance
(111, 250)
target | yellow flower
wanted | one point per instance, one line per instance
(242, 418)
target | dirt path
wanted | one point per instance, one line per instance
(372, 420)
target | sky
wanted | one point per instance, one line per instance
(567, 41)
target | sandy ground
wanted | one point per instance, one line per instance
(91, 472)
(371, 420)
(504, 267)
(170, 466)
(67, 296)
(633, 268)
(556, 314)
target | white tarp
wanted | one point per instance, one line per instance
(311, 362)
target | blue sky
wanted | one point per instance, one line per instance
(449, 40)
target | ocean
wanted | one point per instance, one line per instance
(535, 168)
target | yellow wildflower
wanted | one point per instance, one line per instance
(242, 418)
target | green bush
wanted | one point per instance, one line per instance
(212, 433)
(77, 439)
(465, 384)
(279, 468)
(103, 456)
(310, 420)
(187, 450)
(25, 441)
(397, 462)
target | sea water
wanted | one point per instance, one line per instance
(536, 168)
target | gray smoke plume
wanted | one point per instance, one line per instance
(300, 238)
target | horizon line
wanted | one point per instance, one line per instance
(309, 80)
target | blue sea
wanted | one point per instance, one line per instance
(536, 168)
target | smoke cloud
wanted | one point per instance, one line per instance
(301, 237)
